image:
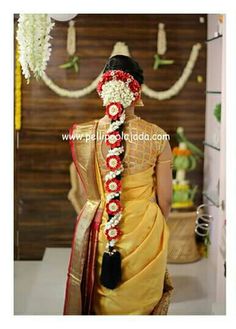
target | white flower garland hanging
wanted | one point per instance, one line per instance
(33, 36)
(122, 49)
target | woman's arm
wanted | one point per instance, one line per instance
(164, 179)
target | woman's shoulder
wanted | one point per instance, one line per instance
(158, 136)
(83, 126)
(150, 126)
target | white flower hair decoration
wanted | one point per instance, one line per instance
(118, 89)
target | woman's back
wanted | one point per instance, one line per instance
(145, 141)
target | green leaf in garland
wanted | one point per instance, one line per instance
(158, 62)
(72, 63)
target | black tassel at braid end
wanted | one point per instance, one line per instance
(111, 269)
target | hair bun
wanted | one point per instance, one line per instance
(126, 64)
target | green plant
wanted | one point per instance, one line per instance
(217, 112)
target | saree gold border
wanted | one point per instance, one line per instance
(74, 299)
(85, 156)
(163, 305)
(88, 305)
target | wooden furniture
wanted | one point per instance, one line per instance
(182, 245)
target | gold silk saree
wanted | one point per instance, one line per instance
(146, 287)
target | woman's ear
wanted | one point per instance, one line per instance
(139, 101)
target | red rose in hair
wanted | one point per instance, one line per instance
(134, 86)
(114, 110)
(99, 87)
(107, 76)
(113, 185)
(113, 233)
(113, 206)
(119, 75)
(113, 139)
(113, 162)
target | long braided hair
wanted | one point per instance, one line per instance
(119, 87)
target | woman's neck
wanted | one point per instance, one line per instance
(129, 112)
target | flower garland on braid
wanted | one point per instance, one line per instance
(118, 90)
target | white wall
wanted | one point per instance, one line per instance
(214, 165)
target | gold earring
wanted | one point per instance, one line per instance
(139, 102)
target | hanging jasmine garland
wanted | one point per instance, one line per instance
(122, 49)
(161, 48)
(118, 90)
(33, 36)
(73, 61)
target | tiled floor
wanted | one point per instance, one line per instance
(40, 286)
(191, 290)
